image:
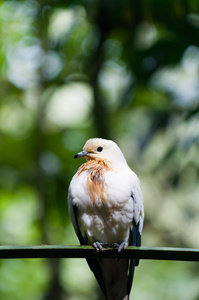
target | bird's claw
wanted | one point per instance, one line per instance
(120, 247)
(99, 246)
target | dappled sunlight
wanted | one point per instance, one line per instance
(70, 105)
(181, 80)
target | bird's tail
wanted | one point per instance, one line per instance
(126, 297)
(113, 298)
(115, 277)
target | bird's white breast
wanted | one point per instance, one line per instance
(108, 217)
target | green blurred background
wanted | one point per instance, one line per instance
(125, 70)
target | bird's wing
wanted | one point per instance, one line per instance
(93, 263)
(137, 224)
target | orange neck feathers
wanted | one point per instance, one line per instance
(95, 170)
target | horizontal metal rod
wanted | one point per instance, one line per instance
(53, 251)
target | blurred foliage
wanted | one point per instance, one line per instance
(71, 70)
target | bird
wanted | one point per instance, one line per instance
(106, 208)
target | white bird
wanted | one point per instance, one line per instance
(106, 208)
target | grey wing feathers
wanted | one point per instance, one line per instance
(135, 234)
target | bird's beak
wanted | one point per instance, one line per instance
(80, 154)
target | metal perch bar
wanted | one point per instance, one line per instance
(54, 251)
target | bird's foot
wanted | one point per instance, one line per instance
(120, 247)
(99, 246)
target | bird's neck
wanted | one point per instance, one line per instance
(94, 171)
(95, 166)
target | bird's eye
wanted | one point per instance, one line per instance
(99, 149)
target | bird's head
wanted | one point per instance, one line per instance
(97, 149)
